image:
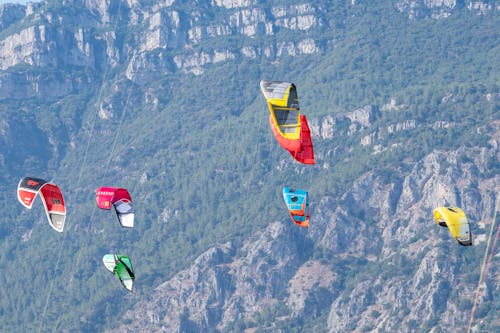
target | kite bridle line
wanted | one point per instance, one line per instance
(111, 154)
(308, 209)
(83, 160)
(81, 168)
(485, 264)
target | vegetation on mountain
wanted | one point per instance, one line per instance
(199, 159)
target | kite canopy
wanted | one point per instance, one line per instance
(289, 127)
(52, 199)
(121, 267)
(121, 200)
(454, 218)
(297, 202)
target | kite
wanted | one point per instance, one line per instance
(297, 202)
(454, 218)
(121, 200)
(121, 267)
(52, 199)
(289, 127)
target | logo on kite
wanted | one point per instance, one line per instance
(121, 200)
(297, 202)
(454, 218)
(289, 127)
(121, 267)
(31, 182)
(52, 199)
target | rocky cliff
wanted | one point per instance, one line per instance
(403, 112)
(438, 9)
(413, 270)
(174, 36)
(163, 37)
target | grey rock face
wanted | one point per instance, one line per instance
(408, 233)
(45, 44)
(221, 286)
(90, 40)
(438, 9)
(363, 116)
(356, 120)
(402, 126)
(418, 9)
(384, 220)
(483, 7)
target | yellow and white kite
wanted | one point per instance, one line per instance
(454, 218)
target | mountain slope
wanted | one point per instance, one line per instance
(163, 98)
(389, 267)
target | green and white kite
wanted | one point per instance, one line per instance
(121, 267)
